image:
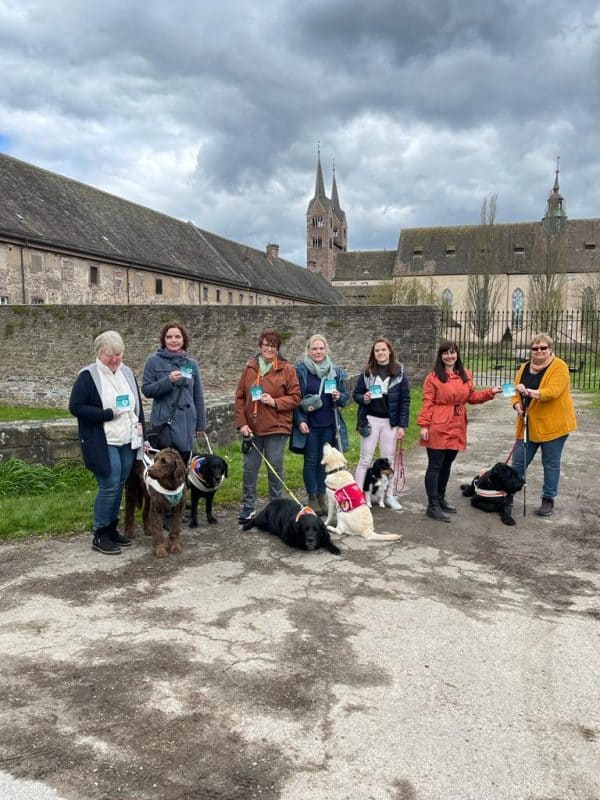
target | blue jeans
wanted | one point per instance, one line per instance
(273, 447)
(313, 471)
(110, 487)
(551, 454)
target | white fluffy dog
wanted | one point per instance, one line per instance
(347, 499)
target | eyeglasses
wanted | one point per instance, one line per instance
(535, 349)
(270, 346)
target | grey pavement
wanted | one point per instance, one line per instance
(462, 663)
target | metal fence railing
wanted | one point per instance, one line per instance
(493, 346)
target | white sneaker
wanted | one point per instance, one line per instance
(393, 503)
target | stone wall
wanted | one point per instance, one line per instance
(43, 347)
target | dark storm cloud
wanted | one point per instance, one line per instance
(212, 112)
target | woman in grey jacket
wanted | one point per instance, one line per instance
(165, 372)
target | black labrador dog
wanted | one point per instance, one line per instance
(494, 490)
(304, 530)
(204, 476)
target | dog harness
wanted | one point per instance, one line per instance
(303, 512)
(350, 497)
(174, 497)
(196, 477)
(488, 494)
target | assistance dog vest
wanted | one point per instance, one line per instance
(350, 497)
(196, 476)
(487, 494)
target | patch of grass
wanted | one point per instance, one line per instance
(38, 500)
(27, 413)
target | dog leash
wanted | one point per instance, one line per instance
(399, 473)
(277, 475)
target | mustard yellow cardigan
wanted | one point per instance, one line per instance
(553, 414)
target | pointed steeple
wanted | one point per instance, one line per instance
(335, 200)
(555, 218)
(319, 183)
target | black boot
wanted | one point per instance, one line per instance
(116, 536)
(445, 506)
(435, 512)
(323, 506)
(103, 543)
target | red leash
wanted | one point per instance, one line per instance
(399, 474)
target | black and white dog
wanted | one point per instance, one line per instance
(297, 527)
(204, 476)
(377, 480)
(494, 490)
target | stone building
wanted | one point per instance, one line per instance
(440, 259)
(63, 242)
(326, 228)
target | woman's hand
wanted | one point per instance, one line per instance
(518, 408)
(521, 389)
(401, 433)
(497, 390)
(267, 400)
(175, 375)
(425, 434)
(303, 428)
(245, 430)
(336, 395)
(367, 398)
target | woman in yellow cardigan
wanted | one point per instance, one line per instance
(542, 387)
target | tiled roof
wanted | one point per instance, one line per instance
(46, 209)
(362, 265)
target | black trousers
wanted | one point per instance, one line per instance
(438, 471)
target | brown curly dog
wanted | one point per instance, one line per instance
(164, 480)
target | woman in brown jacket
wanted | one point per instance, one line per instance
(266, 396)
(542, 387)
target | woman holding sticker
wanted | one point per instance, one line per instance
(316, 420)
(383, 396)
(172, 379)
(106, 401)
(266, 395)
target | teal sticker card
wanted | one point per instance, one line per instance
(122, 401)
(376, 390)
(508, 389)
(329, 386)
(256, 392)
(187, 371)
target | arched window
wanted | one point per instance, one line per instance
(447, 299)
(518, 301)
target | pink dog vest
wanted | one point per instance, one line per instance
(350, 497)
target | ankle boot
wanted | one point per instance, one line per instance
(103, 543)
(435, 512)
(445, 506)
(323, 505)
(116, 536)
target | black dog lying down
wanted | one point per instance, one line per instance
(305, 531)
(494, 490)
(204, 476)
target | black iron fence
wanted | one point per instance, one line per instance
(494, 345)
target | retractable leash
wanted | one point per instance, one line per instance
(210, 451)
(525, 437)
(399, 473)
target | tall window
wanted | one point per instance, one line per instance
(3, 299)
(447, 299)
(518, 302)
(158, 286)
(218, 295)
(94, 276)
(230, 298)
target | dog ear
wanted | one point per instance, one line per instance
(179, 468)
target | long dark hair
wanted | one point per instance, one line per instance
(372, 365)
(180, 327)
(439, 368)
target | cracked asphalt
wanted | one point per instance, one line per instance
(461, 663)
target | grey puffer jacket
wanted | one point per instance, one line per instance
(156, 384)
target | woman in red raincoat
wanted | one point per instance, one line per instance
(443, 422)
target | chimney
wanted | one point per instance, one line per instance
(272, 251)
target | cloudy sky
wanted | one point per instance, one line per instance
(211, 111)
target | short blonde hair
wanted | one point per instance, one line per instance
(110, 343)
(317, 337)
(543, 337)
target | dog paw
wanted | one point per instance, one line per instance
(175, 547)
(160, 552)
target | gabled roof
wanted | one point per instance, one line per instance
(44, 209)
(365, 265)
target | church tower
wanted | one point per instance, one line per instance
(555, 218)
(326, 227)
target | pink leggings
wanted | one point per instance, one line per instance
(383, 434)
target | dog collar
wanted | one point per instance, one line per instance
(173, 496)
(337, 469)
